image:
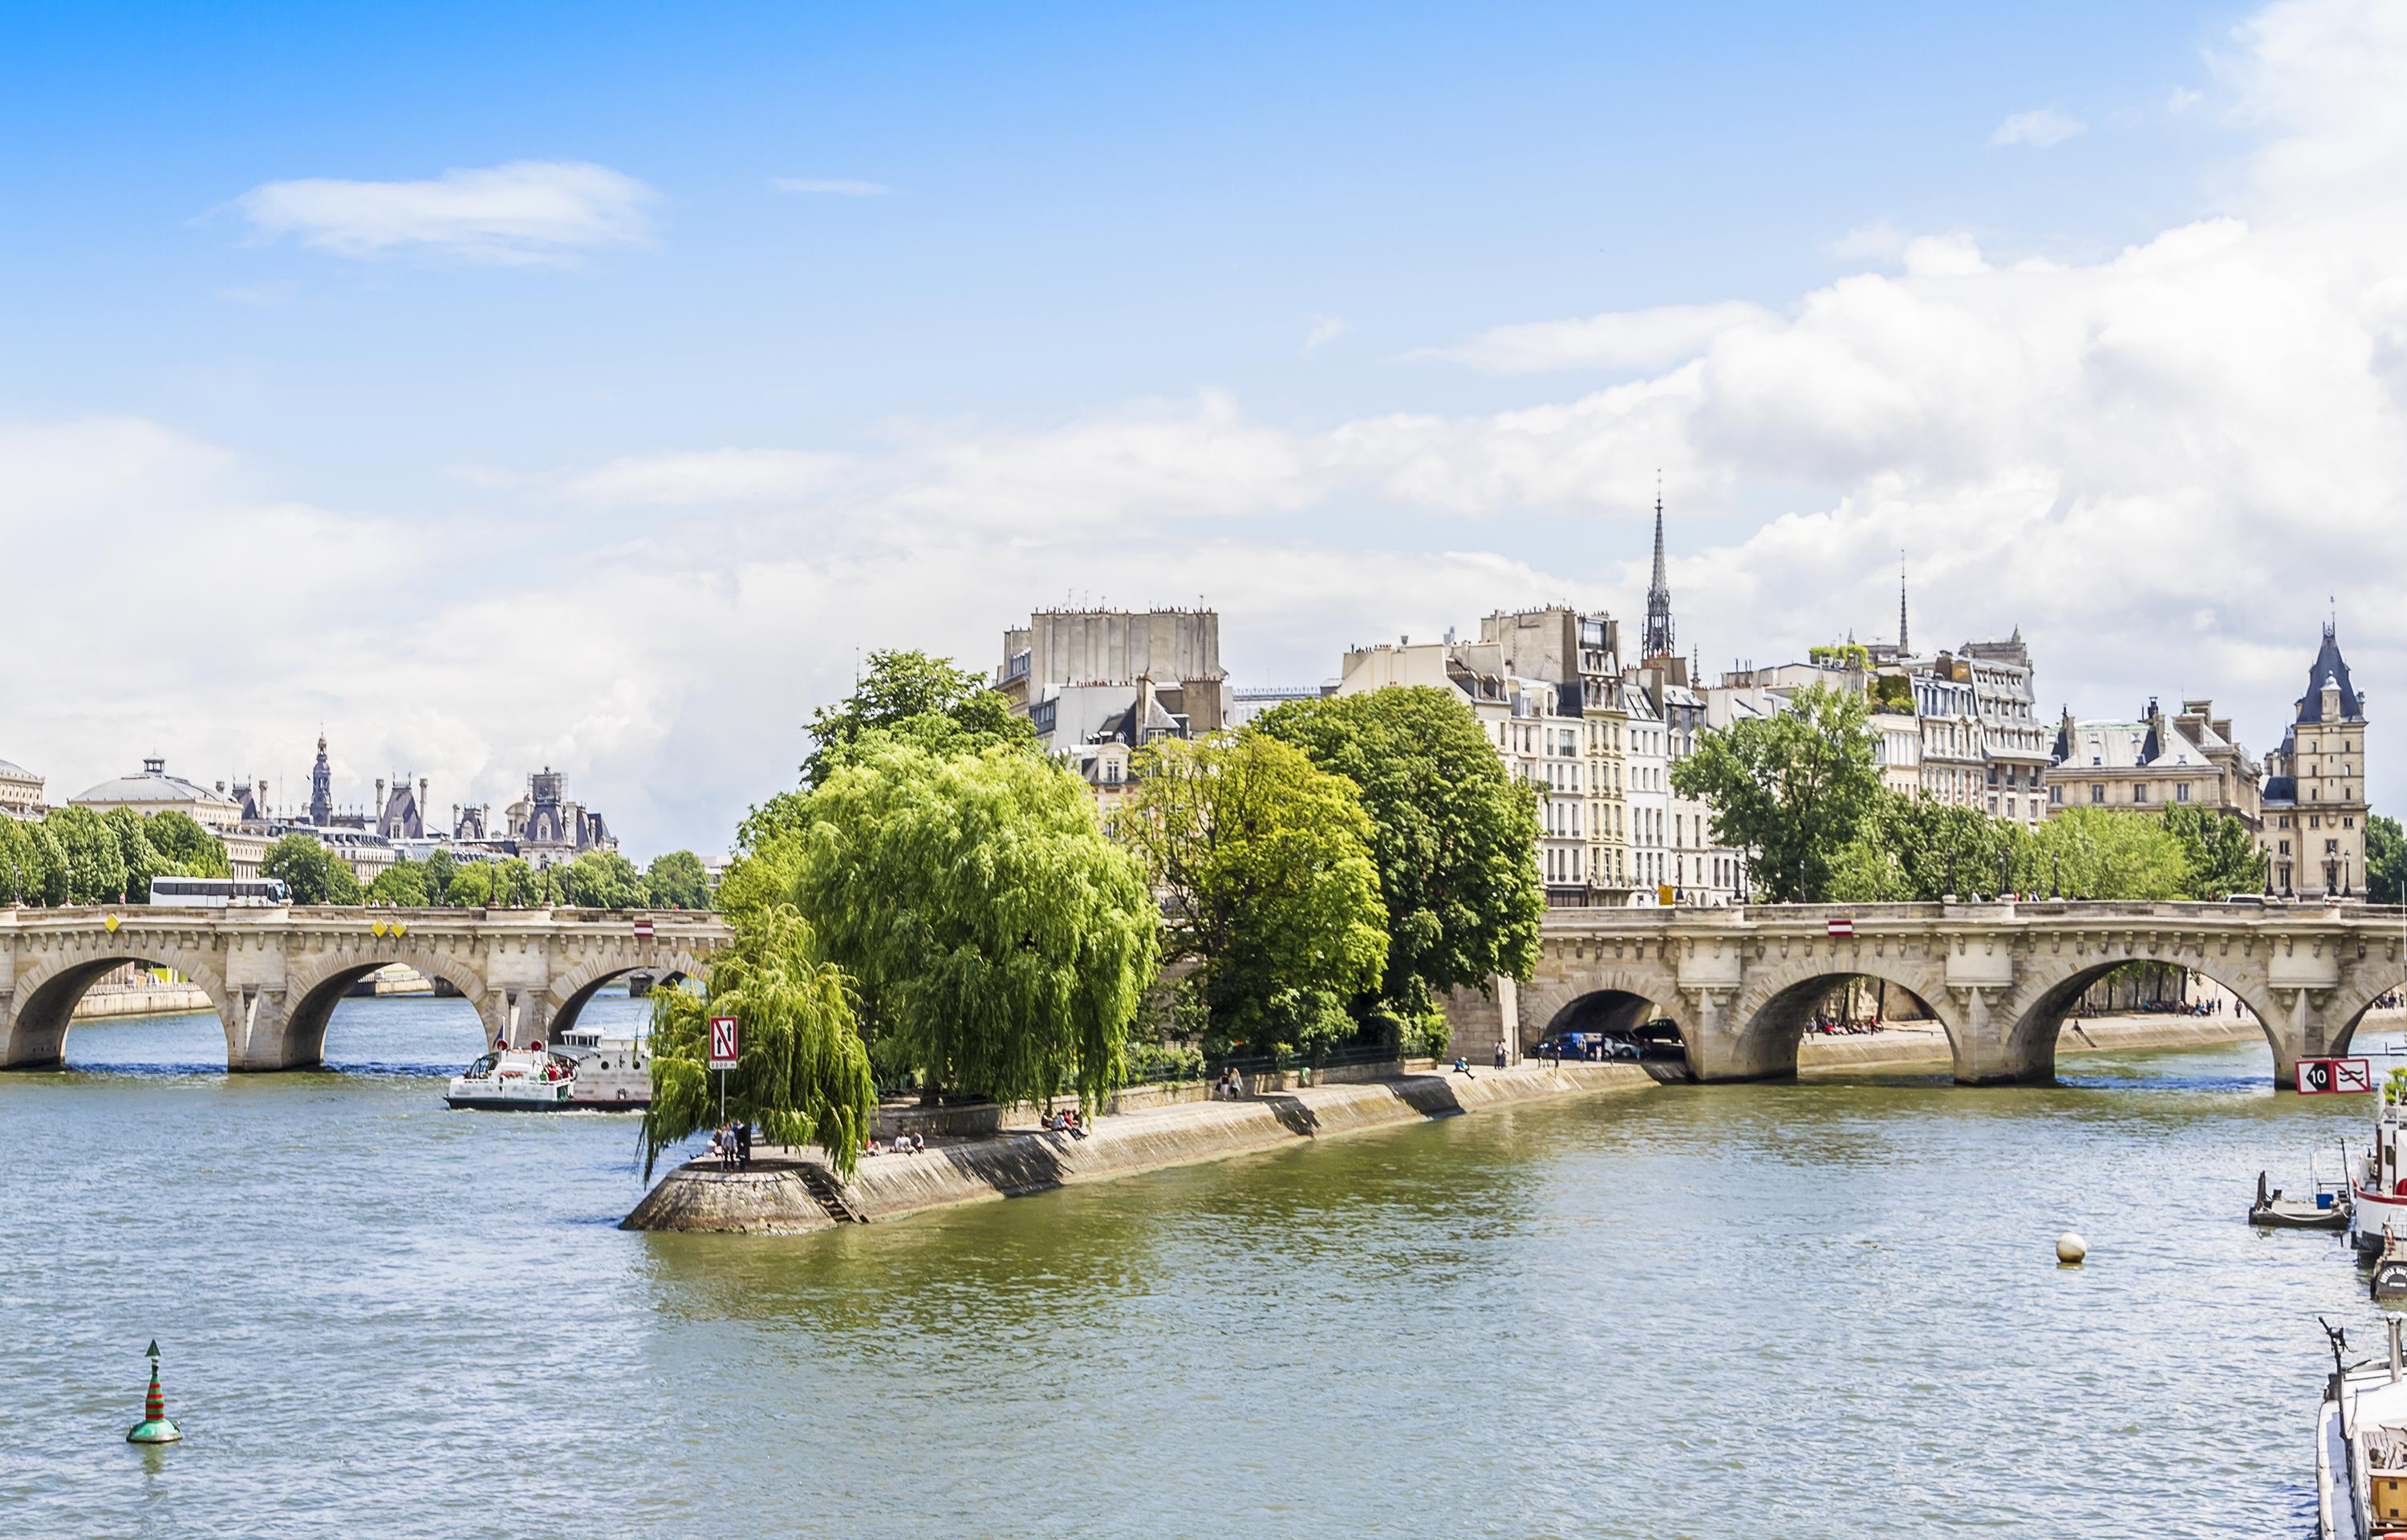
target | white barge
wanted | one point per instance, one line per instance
(2362, 1446)
(583, 1072)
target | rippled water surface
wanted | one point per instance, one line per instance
(1827, 1309)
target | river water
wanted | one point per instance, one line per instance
(1823, 1310)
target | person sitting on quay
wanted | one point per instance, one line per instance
(1462, 1068)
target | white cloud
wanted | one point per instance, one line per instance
(2180, 99)
(837, 187)
(524, 212)
(2040, 130)
(1325, 329)
(1616, 340)
(2156, 463)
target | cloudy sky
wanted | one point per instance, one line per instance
(512, 386)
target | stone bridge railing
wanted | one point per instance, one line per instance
(1743, 982)
(275, 974)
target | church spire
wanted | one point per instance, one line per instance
(1900, 604)
(1658, 593)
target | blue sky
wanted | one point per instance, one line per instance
(803, 329)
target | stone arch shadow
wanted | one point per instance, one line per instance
(569, 994)
(1605, 998)
(311, 995)
(2037, 1014)
(43, 1007)
(1761, 1029)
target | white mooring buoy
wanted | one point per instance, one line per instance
(2071, 1249)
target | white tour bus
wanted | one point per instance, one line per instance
(217, 891)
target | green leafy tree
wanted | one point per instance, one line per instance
(140, 858)
(2221, 854)
(1454, 836)
(2096, 852)
(677, 880)
(436, 873)
(601, 879)
(923, 701)
(471, 887)
(1919, 850)
(1000, 939)
(400, 885)
(310, 873)
(95, 868)
(1793, 788)
(190, 849)
(518, 886)
(37, 872)
(2386, 860)
(802, 1071)
(1265, 861)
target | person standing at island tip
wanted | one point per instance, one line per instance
(1500, 1053)
(744, 1144)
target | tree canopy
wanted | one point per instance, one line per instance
(312, 873)
(135, 852)
(601, 879)
(1000, 941)
(923, 701)
(2220, 856)
(2386, 860)
(802, 1071)
(677, 880)
(1265, 861)
(1454, 836)
(1793, 789)
(190, 849)
(33, 866)
(400, 885)
(95, 867)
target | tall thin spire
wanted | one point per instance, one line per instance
(1900, 604)
(1658, 593)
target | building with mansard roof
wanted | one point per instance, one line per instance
(21, 791)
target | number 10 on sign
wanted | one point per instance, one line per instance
(722, 1055)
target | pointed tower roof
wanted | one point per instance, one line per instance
(2330, 668)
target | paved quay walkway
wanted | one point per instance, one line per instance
(790, 1190)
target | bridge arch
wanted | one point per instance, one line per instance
(2052, 986)
(1601, 997)
(43, 1005)
(312, 992)
(1766, 1020)
(565, 1000)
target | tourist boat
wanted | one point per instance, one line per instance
(2327, 1209)
(2379, 1194)
(2361, 1444)
(2389, 1280)
(583, 1072)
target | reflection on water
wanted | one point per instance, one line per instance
(1824, 1310)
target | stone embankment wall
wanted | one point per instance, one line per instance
(1922, 1047)
(786, 1191)
(141, 999)
(983, 1120)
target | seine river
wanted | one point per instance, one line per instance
(1828, 1309)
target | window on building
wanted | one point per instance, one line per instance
(2056, 794)
(2314, 820)
(2139, 791)
(2181, 793)
(2285, 847)
(2097, 793)
(2348, 823)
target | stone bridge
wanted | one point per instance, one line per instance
(1743, 982)
(276, 974)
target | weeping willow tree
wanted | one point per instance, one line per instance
(1001, 940)
(801, 1073)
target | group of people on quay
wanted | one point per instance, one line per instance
(901, 1144)
(731, 1145)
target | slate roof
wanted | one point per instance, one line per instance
(2331, 667)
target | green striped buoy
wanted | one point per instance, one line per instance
(154, 1428)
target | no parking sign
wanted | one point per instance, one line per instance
(722, 1042)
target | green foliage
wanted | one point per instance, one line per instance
(1917, 850)
(518, 886)
(1453, 836)
(135, 852)
(313, 873)
(471, 887)
(2101, 853)
(436, 871)
(999, 940)
(677, 880)
(2220, 854)
(2386, 860)
(802, 1071)
(921, 700)
(32, 864)
(1265, 861)
(1165, 1062)
(400, 885)
(1793, 789)
(190, 850)
(601, 879)
(96, 865)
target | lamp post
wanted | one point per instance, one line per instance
(2055, 876)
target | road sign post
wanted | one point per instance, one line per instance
(722, 1055)
(2334, 1076)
